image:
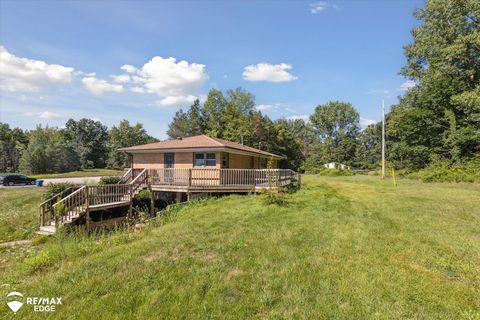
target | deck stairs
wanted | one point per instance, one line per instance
(78, 202)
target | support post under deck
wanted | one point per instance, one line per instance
(152, 202)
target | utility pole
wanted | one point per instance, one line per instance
(383, 139)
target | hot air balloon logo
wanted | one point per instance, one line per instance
(15, 301)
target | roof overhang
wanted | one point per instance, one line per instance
(201, 149)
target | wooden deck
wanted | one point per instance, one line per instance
(74, 203)
(219, 180)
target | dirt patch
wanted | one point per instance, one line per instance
(234, 274)
(15, 243)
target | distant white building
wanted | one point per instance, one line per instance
(336, 165)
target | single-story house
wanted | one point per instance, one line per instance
(183, 168)
(199, 152)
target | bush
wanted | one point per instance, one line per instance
(444, 171)
(54, 188)
(335, 172)
(275, 196)
(110, 180)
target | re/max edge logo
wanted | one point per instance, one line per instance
(16, 300)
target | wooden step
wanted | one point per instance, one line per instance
(47, 230)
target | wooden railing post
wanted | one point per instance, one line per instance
(189, 178)
(130, 191)
(87, 209)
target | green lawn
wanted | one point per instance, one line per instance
(80, 174)
(343, 248)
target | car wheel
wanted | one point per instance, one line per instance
(11, 183)
(32, 182)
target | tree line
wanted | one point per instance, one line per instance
(437, 119)
(81, 144)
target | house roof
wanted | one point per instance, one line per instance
(196, 142)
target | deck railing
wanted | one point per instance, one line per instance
(221, 178)
(110, 193)
(73, 203)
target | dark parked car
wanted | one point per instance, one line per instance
(13, 179)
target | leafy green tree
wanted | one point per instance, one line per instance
(212, 113)
(194, 116)
(48, 151)
(336, 125)
(370, 147)
(179, 126)
(287, 143)
(444, 62)
(125, 135)
(90, 139)
(12, 143)
(237, 118)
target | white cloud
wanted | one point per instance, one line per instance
(45, 115)
(22, 74)
(137, 90)
(98, 87)
(264, 107)
(268, 72)
(168, 78)
(123, 78)
(303, 117)
(128, 68)
(321, 6)
(176, 101)
(50, 115)
(407, 85)
(379, 91)
(364, 122)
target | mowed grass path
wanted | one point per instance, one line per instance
(80, 174)
(344, 248)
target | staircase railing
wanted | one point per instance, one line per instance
(45, 209)
(73, 205)
(126, 177)
(140, 182)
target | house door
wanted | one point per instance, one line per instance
(169, 162)
(169, 159)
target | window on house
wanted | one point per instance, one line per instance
(205, 159)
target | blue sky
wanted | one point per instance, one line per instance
(144, 60)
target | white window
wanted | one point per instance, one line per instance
(205, 159)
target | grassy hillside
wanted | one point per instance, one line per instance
(343, 247)
(18, 212)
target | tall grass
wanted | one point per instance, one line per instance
(444, 171)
